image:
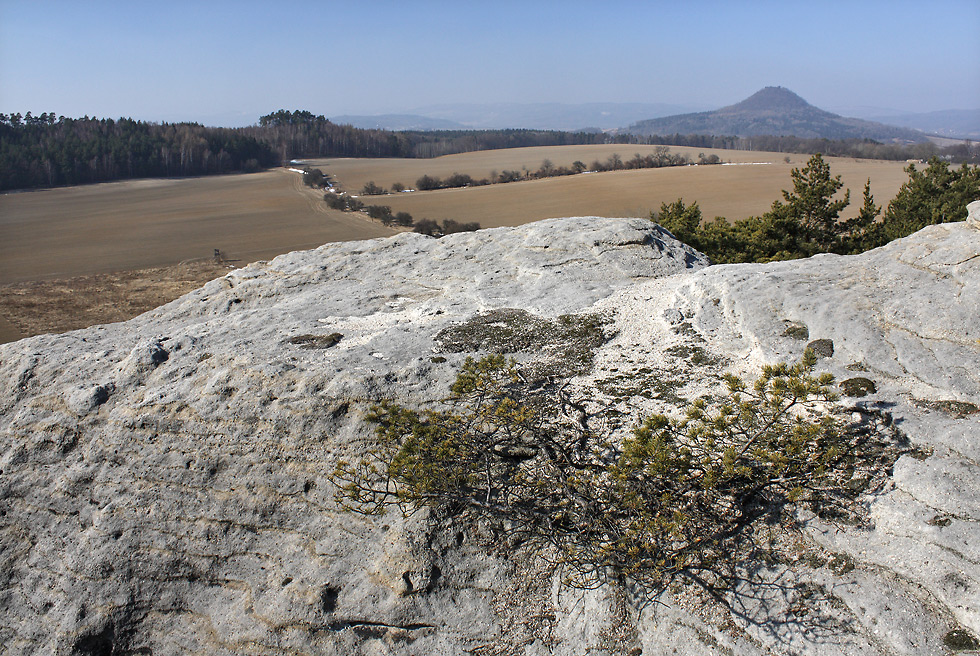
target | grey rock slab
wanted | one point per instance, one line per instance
(973, 214)
(163, 482)
(907, 316)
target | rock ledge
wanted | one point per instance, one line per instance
(163, 488)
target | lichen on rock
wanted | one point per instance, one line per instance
(563, 346)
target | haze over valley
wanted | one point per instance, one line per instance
(637, 118)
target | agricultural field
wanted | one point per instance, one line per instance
(123, 226)
(746, 186)
(78, 256)
(354, 173)
(75, 256)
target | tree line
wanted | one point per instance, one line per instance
(807, 220)
(967, 152)
(347, 203)
(45, 150)
(297, 134)
(661, 157)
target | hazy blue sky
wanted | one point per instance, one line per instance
(171, 60)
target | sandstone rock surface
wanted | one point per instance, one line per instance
(973, 214)
(163, 481)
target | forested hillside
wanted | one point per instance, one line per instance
(775, 111)
(49, 151)
(301, 134)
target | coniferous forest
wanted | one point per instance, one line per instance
(45, 151)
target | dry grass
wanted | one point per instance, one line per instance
(55, 306)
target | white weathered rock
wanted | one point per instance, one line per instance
(973, 214)
(907, 316)
(163, 481)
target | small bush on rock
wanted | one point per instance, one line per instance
(682, 497)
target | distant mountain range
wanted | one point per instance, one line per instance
(398, 122)
(955, 123)
(771, 111)
(774, 111)
(534, 116)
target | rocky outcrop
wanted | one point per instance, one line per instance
(903, 317)
(973, 214)
(163, 481)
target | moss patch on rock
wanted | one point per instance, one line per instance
(660, 385)
(695, 355)
(822, 348)
(961, 640)
(316, 341)
(841, 564)
(858, 386)
(796, 330)
(564, 346)
(958, 409)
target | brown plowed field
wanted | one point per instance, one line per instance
(355, 172)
